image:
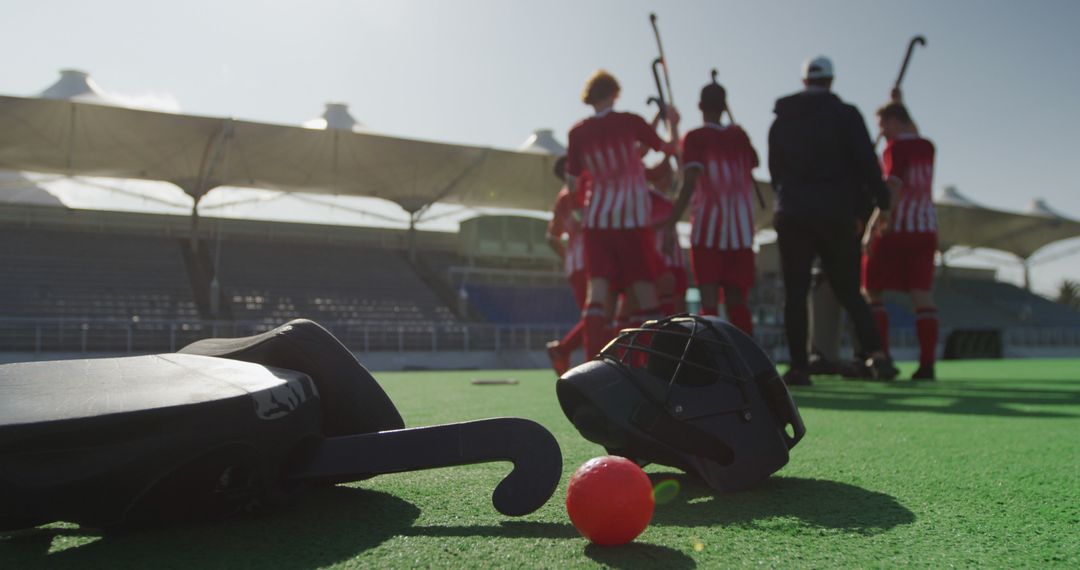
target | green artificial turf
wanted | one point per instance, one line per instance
(979, 469)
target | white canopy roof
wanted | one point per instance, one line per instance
(75, 128)
(201, 153)
(961, 221)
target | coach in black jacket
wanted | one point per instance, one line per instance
(823, 166)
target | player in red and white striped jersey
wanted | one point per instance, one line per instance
(566, 221)
(899, 252)
(617, 219)
(671, 282)
(718, 162)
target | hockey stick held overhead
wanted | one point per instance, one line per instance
(895, 95)
(671, 126)
(917, 40)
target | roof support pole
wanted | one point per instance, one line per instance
(194, 235)
(412, 236)
(214, 155)
(1027, 274)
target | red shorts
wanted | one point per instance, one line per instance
(579, 283)
(900, 262)
(623, 257)
(723, 267)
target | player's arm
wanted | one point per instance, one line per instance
(777, 164)
(689, 181)
(693, 165)
(868, 170)
(672, 148)
(574, 165)
(556, 245)
(654, 125)
(649, 139)
(557, 227)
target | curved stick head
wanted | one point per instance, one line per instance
(529, 446)
(652, 17)
(714, 74)
(921, 40)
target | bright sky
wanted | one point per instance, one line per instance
(995, 88)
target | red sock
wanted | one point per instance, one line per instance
(641, 358)
(712, 311)
(881, 319)
(740, 316)
(596, 331)
(926, 328)
(572, 340)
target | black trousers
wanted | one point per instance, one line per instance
(801, 241)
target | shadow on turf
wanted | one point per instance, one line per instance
(326, 526)
(967, 397)
(633, 555)
(639, 555)
(815, 503)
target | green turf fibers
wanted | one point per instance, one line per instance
(979, 469)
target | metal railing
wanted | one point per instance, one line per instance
(85, 335)
(18, 334)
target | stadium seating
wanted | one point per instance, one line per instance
(983, 304)
(514, 304)
(87, 275)
(64, 289)
(274, 282)
(1016, 303)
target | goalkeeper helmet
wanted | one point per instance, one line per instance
(690, 392)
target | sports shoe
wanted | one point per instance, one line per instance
(797, 377)
(856, 370)
(924, 373)
(882, 368)
(560, 361)
(821, 366)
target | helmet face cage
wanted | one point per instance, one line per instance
(690, 392)
(686, 351)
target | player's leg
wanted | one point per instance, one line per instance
(665, 290)
(596, 333)
(737, 279)
(709, 304)
(797, 251)
(625, 308)
(877, 274)
(926, 329)
(876, 299)
(738, 311)
(682, 284)
(705, 269)
(926, 318)
(647, 302)
(579, 284)
(840, 260)
(559, 351)
(641, 265)
(600, 257)
(826, 327)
